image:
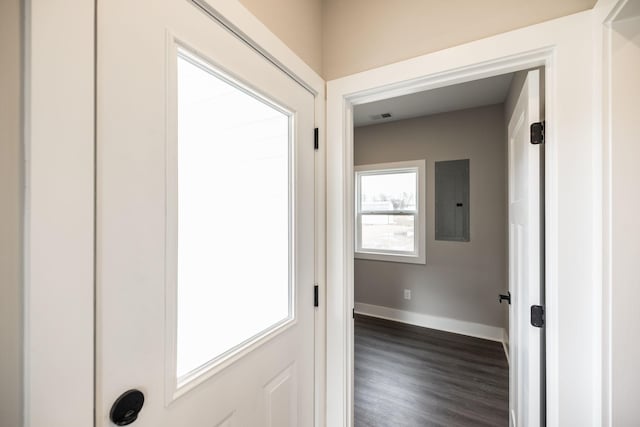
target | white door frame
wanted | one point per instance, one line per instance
(517, 62)
(59, 204)
(558, 46)
(607, 13)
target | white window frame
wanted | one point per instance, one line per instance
(180, 385)
(418, 255)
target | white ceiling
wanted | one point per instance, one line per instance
(478, 93)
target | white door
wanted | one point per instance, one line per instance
(525, 258)
(205, 193)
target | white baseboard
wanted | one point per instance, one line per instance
(462, 327)
(505, 344)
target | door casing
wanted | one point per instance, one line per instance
(507, 65)
(613, 301)
(558, 47)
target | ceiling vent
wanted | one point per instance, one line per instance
(380, 116)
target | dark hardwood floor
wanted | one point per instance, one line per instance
(411, 376)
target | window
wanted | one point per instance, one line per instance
(390, 212)
(233, 211)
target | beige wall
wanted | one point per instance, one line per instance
(341, 37)
(461, 280)
(362, 34)
(625, 206)
(298, 23)
(10, 215)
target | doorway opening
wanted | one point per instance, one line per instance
(448, 199)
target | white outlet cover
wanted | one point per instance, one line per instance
(407, 294)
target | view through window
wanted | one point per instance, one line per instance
(388, 209)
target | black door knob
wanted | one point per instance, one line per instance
(504, 297)
(126, 408)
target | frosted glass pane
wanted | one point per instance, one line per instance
(388, 191)
(233, 217)
(388, 232)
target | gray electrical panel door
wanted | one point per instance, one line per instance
(452, 200)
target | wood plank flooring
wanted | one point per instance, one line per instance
(407, 376)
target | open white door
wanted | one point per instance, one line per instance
(205, 233)
(526, 402)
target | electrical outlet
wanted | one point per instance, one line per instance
(407, 294)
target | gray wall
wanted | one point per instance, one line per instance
(10, 214)
(461, 280)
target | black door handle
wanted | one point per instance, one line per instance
(504, 297)
(126, 408)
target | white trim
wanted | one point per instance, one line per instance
(559, 46)
(59, 213)
(605, 12)
(462, 327)
(418, 255)
(505, 343)
(320, 407)
(341, 182)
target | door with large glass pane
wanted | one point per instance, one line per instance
(204, 218)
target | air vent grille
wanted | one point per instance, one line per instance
(380, 116)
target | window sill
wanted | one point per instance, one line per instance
(405, 259)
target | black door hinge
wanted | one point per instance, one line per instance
(315, 296)
(316, 142)
(537, 316)
(353, 313)
(505, 297)
(537, 132)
